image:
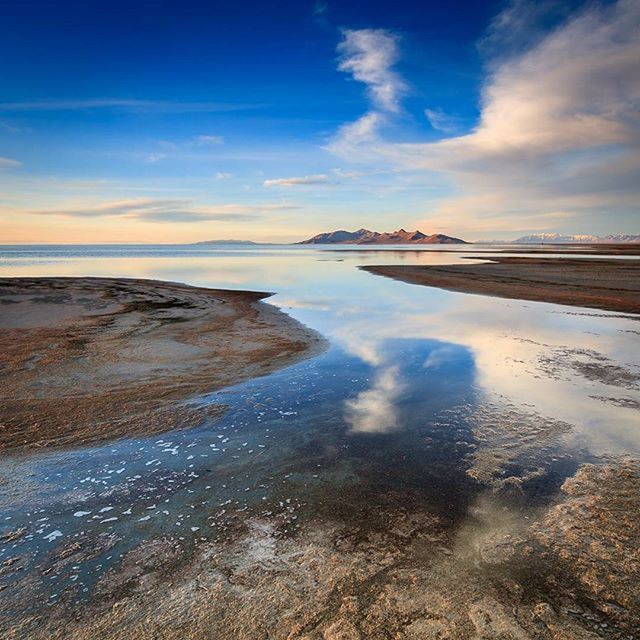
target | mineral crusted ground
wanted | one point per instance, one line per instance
(89, 359)
(566, 572)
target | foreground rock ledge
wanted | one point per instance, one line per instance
(613, 285)
(88, 359)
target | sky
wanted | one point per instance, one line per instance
(167, 121)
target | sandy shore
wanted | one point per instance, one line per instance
(88, 359)
(613, 285)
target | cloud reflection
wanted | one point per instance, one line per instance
(440, 356)
(375, 410)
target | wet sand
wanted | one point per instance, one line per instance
(612, 285)
(90, 359)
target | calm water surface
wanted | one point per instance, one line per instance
(424, 396)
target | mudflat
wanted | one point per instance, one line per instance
(613, 285)
(89, 359)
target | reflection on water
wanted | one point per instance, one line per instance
(424, 394)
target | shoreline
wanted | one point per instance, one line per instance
(328, 543)
(91, 359)
(611, 285)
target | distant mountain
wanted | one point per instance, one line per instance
(227, 242)
(364, 236)
(557, 238)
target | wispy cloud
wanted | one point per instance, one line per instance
(160, 106)
(320, 7)
(297, 181)
(441, 121)
(165, 210)
(356, 135)
(348, 175)
(578, 90)
(369, 55)
(6, 163)
(521, 25)
(173, 149)
(560, 123)
(152, 158)
(440, 356)
(209, 140)
(10, 128)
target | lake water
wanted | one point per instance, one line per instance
(427, 396)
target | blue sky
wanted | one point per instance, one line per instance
(180, 121)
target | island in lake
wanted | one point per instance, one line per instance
(364, 236)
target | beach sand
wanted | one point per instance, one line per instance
(613, 285)
(90, 359)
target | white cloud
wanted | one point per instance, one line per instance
(520, 25)
(320, 7)
(492, 215)
(441, 121)
(297, 181)
(348, 175)
(7, 163)
(222, 175)
(165, 210)
(152, 158)
(354, 342)
(171, 148)
(369, 55)
(577, 90)
(10, 128)
(209, 139)
(440, 356)
(354, 135)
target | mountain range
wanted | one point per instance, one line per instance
(364, 236)
(558, 238)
